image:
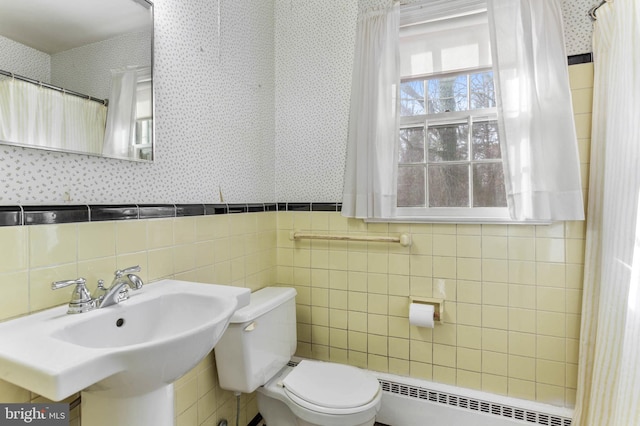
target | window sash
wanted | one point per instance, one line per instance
(469, 116)
(460, 117)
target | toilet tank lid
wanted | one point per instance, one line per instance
(262, 301)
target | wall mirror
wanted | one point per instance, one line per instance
(76, 76)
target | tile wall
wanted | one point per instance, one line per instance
(232, 249)
(513, 294)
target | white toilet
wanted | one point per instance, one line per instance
(254, 353)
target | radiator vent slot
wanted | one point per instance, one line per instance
(471, 404)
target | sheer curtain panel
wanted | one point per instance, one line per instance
(539, 145)
(370, 176)
(39, 116)
(119, 132)
(608, 391)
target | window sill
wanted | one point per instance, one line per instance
(458, 220)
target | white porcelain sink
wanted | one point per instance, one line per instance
(126, 350)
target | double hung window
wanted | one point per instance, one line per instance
(449, 156)
(446, 134)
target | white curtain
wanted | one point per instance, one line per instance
(38, 116)
(370, 184)
(83, 126)
(120, 130)
(18, 112)
(609, 367)
(539, 145)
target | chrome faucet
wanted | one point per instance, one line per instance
(81, 300)
(118, 291)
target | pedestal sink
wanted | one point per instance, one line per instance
(124, 358)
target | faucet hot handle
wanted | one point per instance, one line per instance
(80, 293)
(66, 283)
(80, 298)
(131, 269)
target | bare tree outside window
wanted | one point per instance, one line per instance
(449, 147)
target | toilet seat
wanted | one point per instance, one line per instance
(331, 388)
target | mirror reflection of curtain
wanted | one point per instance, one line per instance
(119, 132)
(83, 128)
(143, 138)
(18, 109)
(39, 116)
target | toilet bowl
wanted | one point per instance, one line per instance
(316, 393)
(254, 354)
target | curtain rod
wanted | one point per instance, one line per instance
(105, 102)
(592, 11)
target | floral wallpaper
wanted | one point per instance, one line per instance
(251, 102)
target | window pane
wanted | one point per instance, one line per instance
(486, 144)
(412, 98)
(411, 186)
(412, 145)
(448, 142)
(482, 90)
(488, 185)
(448, 94)
(449, 185)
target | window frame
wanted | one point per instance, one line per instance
(470, 116)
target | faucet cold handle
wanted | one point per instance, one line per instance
(81, 300)
(136, 281)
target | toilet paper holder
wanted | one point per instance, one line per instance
(438, 305)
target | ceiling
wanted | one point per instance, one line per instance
(53, 26)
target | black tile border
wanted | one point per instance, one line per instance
(48, 215)
(210, 209)
(583, 58)
(10, 215)
(299, 207)
(98, 212)
(255, 208)
(238, 208)
(324, 207)
(189, 210)
(152, 211)
(17, 215)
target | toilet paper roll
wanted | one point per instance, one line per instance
(421, 315)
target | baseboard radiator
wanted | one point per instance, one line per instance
(474, 405)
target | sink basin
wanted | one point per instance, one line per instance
(151, 321)
(125, 350)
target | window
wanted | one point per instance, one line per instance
(449, 150)
(449, 159)
(446, 156)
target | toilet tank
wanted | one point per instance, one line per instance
(260, 340)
